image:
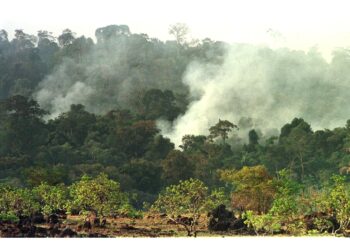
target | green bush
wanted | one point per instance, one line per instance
(51, 198)
(100, 196)
(339, 202)
(128, 211)
(8, 217)
(262, 224)
(190, 198)
(17, 201)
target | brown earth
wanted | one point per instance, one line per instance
(78, 226)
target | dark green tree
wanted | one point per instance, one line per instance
(176, 167)
(221, 129)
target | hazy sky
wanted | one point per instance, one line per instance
(299, 24)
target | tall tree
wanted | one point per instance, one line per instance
(22, 127)
(180, 32)
(66, 38)
(176, 167)
(222, 128)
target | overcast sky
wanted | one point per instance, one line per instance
(298, 24)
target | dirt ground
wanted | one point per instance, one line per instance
(151, 225)
(148, 226)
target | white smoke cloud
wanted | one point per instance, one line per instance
(113, 72)
(79, 92)
(269, 86)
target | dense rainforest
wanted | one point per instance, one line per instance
(109, 150)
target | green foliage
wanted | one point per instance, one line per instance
(322, 224)
(126, 144)
(188, 198)
(23, 130)
(339, 201)
(221, 129)
(53, 175)
(262, 224)
(253, 137)
(253, 188)
(216, 198)
(127, 210)
(146, 176)
(17, 202)
(8, 217)
(285, 202)
(286, 207)
(51, 198)
(158, 104)
(100, 195)
(176, 167)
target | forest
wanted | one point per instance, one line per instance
(81, 136)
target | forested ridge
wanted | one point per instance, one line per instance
(112, 148)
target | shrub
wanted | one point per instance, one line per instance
(265, 223)
(51, 198)
(17, 201)
(190, 198)
(100, 196)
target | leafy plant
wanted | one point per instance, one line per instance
(264, 223)
(285, 202)
(130, 212)
(190, 198)
(100, 195)
(51, 198)
(339, 201)
(253, 190)
(8, 217)
(17, 201)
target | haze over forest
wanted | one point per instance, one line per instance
(116, 122)
(304, 57)
(253, 85)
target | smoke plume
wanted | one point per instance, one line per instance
(266, 87)
(255, 87)
(111, 74)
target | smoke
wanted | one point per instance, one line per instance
(111, 74)
(77, 93)
(266, 87)
(255, 87)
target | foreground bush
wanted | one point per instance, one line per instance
(100, 196)
(190, 198)
(51, 198)
(17, 202)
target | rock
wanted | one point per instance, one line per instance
(219, 225)
(220, 219)
(41, 232)
(38, 218)
(74, 212)
(184, 220)
(87, 225)
(104, 222)
(54, 230)
(31, 232)
(238, 224)
(96, 235)
(67, 232)
(309, 220)
(53, 219)
(24, 221)
(128, 227)
(97, 222)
